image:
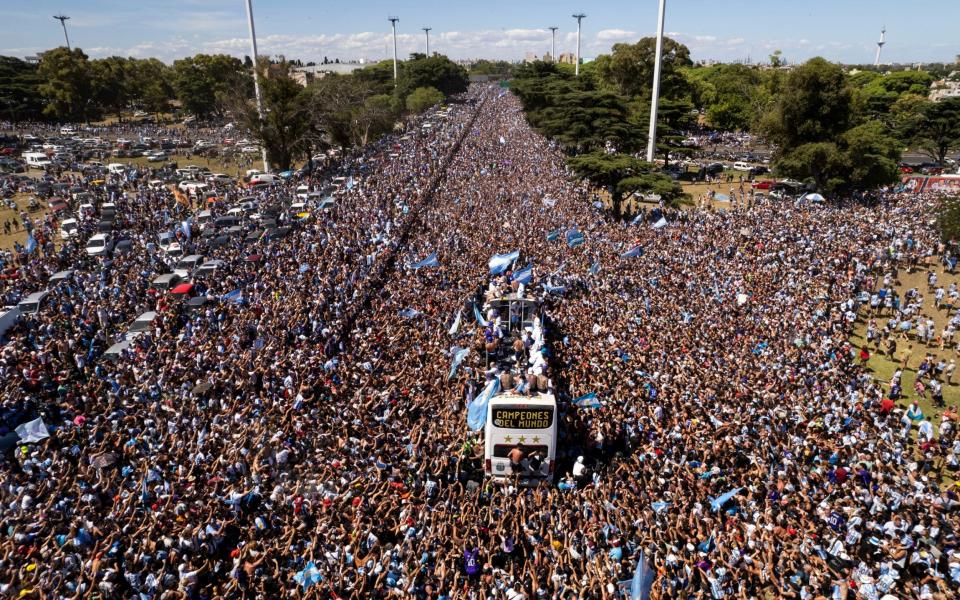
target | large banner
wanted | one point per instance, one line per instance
(944, 184)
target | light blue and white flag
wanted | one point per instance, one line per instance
(575, 238)
(554, 289)
(524, 275)
(553, 235)
(477, 410)
(637, 218)
(409, 313)
(642, 581)
(185, 228)
(234, 296)
(660, 224)
(476, 313)
(717, 503)
(351, 183)
(31, 243)
(430, 261)
(458, 355)
(595, 268)
(634, 252)
(501, 262)
(587, 401)
(456, 323)
(309, 576)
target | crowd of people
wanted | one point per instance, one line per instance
(300, 435)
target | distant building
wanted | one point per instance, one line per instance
(307, 75)
(567, 58)
(943, 89)
(530, 57)
(33, 60)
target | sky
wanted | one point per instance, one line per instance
(725, 30)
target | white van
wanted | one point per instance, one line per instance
(263, 178)
(117, 168)
(37, 160)
(741, 166)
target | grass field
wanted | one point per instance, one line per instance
(883, 367)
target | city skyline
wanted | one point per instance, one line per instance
(310, 32)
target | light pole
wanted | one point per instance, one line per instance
(63, 22)
(256, 81)
(576, 69)
(553, 43)
(426, 30)
(655, 100)
(393, 23)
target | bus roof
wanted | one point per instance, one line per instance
(511, 397)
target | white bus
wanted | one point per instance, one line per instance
(527, 423)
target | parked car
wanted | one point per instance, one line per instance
(187, 264)
(32, 303)
(68, 228)
(99, 245)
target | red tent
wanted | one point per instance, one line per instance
(183, 288)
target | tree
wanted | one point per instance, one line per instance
(435, 71)
(331, 103)
(110, 79)
(732, 96)
(67, 87)
(20, 98)
(206, 83)
(814, 106)
(878, 93)
(373, 118)
(628, 69)
(933, 127)
(622, 174)
(150, 86)
(423, 98)
(948, 219)
(873, 157)
(586, 120)
(776, 59)
(285, 130)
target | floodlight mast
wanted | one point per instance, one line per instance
(256, 80)
(576, 69)
(655, 100)
(393, 23)
(63, 22)
(553, 43)
(426, 30)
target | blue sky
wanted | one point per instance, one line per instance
(842, 30)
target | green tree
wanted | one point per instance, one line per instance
(873, 156)
(111, 82)
(948, 219)
(423, 98)
(332, 102)
(628, 69)
(67, 86)
(150, 87)
(586, 120)
(435, 71)
(373, 118)
(20, 97)
(934, 127)
(286, 130)
(622, 174)
(814, 106)
(206, 83)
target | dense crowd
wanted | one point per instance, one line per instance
(302, 438)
